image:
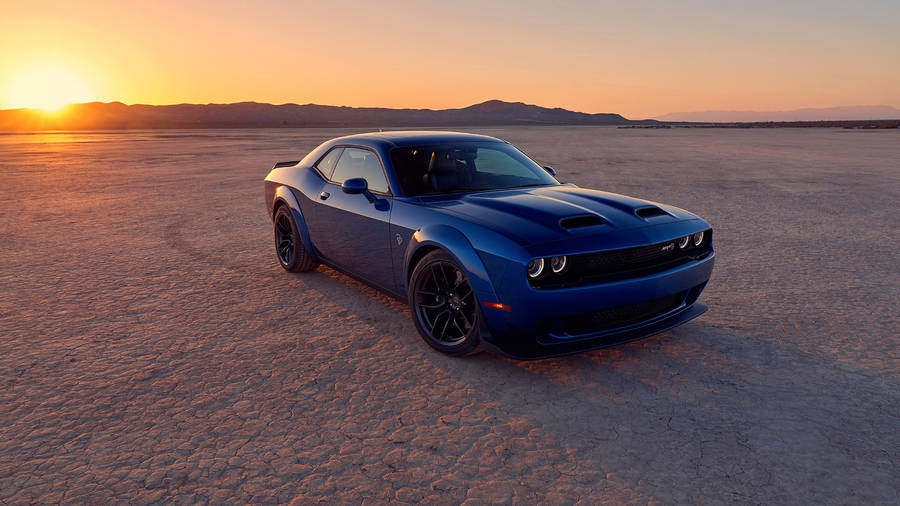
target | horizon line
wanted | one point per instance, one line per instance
(298, 104)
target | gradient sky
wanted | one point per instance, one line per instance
(638, 58)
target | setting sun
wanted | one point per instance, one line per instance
(48, 87)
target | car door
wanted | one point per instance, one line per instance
(349, 230)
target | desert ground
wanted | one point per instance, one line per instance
(153, 350)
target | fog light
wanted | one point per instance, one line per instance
(698, 238)
(535, 267)
(684, 241)
(557, 264)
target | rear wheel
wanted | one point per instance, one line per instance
(292, 254)
(444, 306)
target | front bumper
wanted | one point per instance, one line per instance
(539, 322)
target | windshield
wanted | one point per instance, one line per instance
(465, 166)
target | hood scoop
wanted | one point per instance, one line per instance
(650, 212)
(581, 222)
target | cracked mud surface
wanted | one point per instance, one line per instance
(153, 350)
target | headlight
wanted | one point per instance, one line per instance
(684, 241)
(557, 264)
(698, 238)
(535, 267)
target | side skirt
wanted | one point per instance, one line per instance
(386, 291)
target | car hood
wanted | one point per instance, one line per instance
(549, 213)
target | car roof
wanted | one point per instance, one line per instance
(401, 138)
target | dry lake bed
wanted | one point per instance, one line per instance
(151, 349)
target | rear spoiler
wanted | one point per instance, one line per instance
(285, 164)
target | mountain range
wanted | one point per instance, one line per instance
(852, 113)
(119, 116)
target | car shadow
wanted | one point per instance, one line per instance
(699, 403)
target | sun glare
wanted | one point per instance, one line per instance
(47, 88)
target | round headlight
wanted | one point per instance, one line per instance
(557, 264)
(684, 241)
(698, 238)
(535, 267)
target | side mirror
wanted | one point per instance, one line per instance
(550, 170)
(355, 186)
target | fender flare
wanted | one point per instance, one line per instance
(284, 195)
(457, 245)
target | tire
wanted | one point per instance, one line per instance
(289, 248)
(444, 307)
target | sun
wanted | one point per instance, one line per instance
(47, 87)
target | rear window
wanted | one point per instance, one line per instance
(327, 163)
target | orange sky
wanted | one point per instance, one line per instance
(640, 59)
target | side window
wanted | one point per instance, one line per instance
(327, 163)
(363, 163)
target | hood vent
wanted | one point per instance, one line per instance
(581, 221)
(650, 212)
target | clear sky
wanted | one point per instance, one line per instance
(638, 58)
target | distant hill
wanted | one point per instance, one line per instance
(118, 116)
(862, 112)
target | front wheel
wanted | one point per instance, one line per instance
(444, 306)
(292, 254)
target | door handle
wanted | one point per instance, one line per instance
(324, 195)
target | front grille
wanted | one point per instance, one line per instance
(615, 265)
(617, 260)
(612, 318)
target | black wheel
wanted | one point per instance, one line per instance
(444, 306)
(292, 254)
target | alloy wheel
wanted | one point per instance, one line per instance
(284, 239)
(445, 303)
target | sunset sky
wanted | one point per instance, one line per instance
(640, 59)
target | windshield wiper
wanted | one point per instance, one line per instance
(478, 190)
(527, 186)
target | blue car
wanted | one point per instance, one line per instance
(488, 247)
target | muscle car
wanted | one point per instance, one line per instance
(489, 249)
